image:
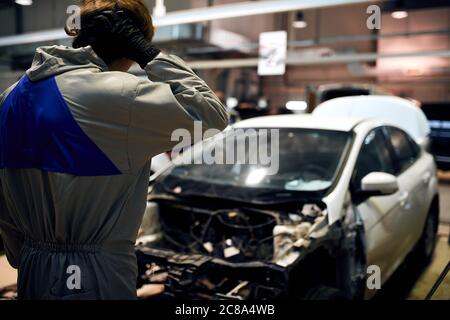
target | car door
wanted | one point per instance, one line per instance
(413, 176)
(381, 215)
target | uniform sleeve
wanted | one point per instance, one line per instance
(173, 99)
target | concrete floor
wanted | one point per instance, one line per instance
(413, 281)
(444, 193)
(409, 282)
(429, 276)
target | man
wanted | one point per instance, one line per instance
(76, 137)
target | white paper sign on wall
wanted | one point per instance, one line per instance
(272, 53)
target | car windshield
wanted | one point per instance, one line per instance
(301, 160)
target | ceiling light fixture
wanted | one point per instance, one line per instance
(160, 9)
(299, 22)
(399, 14)
(24, 2)
(297, 106)
(232, 102)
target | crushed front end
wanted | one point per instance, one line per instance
(245, 252)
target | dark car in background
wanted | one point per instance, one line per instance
(438, 116)
(330, 91)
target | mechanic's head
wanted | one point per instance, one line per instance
(105, 47)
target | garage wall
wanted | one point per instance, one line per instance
(428, 77)
(425, 79)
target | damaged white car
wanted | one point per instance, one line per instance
(346, 194)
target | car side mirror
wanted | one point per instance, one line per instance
(379, 183)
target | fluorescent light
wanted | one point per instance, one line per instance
(262, 103)
(232, 102)
(299, 24)
(296, 105)
(160, 9)
(24, 2)
(399, 14)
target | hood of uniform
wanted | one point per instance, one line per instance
(53, 60)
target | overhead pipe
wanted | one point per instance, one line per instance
(248, 8)
(241, 9)
(294, 59)
(323, 41)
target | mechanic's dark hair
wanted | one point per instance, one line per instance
(105, 46)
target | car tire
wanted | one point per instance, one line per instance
(325, 293)
(425, 247)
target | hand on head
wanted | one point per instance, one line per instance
(114, 35)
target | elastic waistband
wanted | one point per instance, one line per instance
(74, 247)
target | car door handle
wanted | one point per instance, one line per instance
(403, 199)
(426, 177)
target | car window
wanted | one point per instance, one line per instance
(405, 149)
(415, 147)
(306, 160)
(374, 156)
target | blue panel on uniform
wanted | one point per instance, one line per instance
(37, 130)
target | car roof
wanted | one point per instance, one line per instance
(397, 111)
(303, 121)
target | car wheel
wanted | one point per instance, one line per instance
(427, 243)
(325, 293)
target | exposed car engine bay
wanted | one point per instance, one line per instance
(227, 253)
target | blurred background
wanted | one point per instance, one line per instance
(325, 44)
